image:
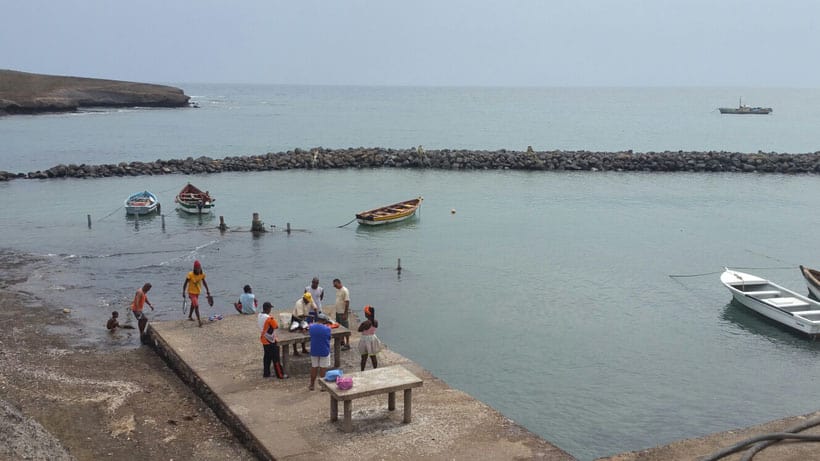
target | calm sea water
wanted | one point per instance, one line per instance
(546, 295)
(243, 120)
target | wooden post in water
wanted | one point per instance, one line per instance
(398, 266)
(222, 226)
(163, 222)
(89, 221)
(257, 226)
(288, 228)
(136, 222)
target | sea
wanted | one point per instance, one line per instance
(585, 306)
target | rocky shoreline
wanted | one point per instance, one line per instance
(446, 159)
(27, 93)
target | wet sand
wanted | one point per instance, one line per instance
(121, 404)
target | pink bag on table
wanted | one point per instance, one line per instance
(344, 382)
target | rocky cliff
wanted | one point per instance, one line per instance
(25, 93)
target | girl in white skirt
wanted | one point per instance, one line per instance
(369, 343)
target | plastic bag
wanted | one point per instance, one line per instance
(344, 382)
(332, 375)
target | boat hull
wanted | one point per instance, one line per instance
(194, 208)
(141, 210)
(388, 214)
(381, 222)
(746, 111)
(773, 301)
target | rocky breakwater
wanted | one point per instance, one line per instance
(320, 158)
(25, 93)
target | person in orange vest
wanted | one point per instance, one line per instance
(270, 345)
(140, 299)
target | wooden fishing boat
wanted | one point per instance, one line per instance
(774, 301)
(141, 203)
(812, 277)
(192, 200)
(389, 213)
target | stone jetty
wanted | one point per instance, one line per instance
(27, 93)
(446, 159)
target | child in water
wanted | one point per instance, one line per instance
(369, 343)
(114, 323)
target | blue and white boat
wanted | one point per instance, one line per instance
(141, 203)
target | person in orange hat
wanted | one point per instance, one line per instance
(193, 287)
(369, 344)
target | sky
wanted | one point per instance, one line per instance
(631, 43)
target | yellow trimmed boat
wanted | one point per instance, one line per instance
(389, 213)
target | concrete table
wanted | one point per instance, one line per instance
(386, 380)
(286, 338)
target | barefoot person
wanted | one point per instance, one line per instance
(140, 300)
(193, 287)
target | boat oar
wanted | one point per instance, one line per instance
(345, 224)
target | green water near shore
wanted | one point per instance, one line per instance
(546, 295)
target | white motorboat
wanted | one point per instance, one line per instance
(774, 301)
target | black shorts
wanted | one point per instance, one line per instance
(139, 315)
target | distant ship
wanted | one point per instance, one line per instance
(741, 109)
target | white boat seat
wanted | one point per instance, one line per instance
(786, 302)
(763, 293)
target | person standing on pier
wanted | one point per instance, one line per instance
(316, 292)
(270, 344)
(193, 287)
(319, 348)
(140, 300)
(342, 309)
(369, 344)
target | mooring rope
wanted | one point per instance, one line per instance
(109, 214)
(345, 224)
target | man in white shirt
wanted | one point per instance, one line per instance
(317, 292)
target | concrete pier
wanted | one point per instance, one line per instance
(282, 419)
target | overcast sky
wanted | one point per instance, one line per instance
(757, 43)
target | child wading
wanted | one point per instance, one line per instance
(369, 343)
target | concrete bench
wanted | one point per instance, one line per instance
(386, 380)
